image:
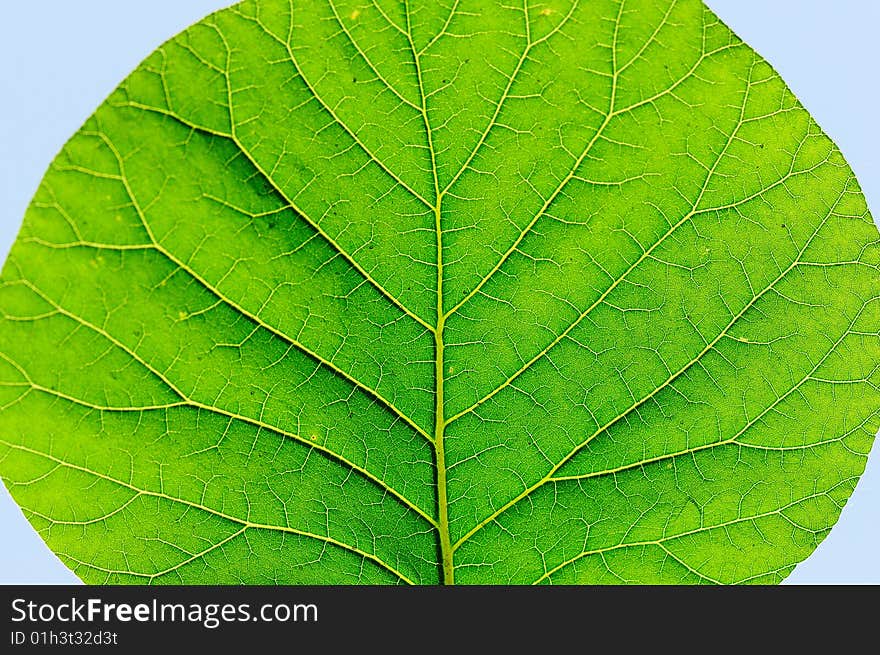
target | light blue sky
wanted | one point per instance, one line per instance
(60, 59)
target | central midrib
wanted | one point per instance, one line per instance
(448, 567)
(446, 550)
(447, 576)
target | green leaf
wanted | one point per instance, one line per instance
(422, 292)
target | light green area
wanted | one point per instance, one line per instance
(405, 291)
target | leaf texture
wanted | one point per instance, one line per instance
(336, 291)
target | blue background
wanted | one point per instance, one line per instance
(59, 59)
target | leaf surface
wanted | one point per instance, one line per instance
(426, 292)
